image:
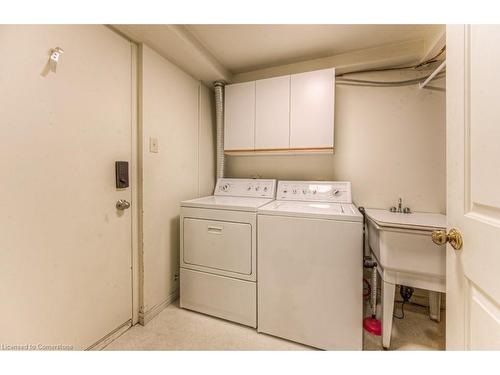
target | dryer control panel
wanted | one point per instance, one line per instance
(246, 187)
(315, 191)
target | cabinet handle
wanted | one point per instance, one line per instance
(214, 230)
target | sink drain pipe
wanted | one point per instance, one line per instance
(219, 123)
(371, 324)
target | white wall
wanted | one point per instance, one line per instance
(206, 166)
(178, 110)
(390, 142)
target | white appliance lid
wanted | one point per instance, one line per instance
(227, 203)
(415, 220)
(321, 210)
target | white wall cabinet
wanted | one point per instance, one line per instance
(312, 109)
(272, 113)
(239, 117)
(287, 113)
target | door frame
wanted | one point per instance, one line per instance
(455, 139)
(136, 192)
(135, 180)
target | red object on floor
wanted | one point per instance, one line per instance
(373, 326)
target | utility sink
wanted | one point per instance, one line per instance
(405, 254)
(402, 242)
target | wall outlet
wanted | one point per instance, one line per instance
(176, 277)
(153, 144)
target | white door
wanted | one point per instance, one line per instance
(239, 116)
(272, 113)
(312, 99)
(473, 163)
(65, 250)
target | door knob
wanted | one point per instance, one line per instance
(122, 204)
(439, 237)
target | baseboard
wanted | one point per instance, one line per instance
(145, 317)
(106, 340)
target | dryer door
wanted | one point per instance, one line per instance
(219, 245)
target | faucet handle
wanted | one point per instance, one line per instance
(393, 209)
(406, 210)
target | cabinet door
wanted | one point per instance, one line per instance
(239, 123)
(272, 113)
(311, 109)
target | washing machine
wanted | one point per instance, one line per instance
(310, 264)
(218, 249)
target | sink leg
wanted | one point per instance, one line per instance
(435, 305)
(388, 291)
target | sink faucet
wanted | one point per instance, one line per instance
(399, 208)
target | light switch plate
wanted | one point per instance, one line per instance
(153, 144)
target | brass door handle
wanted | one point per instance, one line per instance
(439, 237)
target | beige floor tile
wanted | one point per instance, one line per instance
(140, 338)
(179, 329)
(415, 332)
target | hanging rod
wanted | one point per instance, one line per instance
(434, 74)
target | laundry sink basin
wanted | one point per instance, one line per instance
(402, 242)
(405, 254)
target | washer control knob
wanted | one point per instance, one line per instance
(257, 188)
(249, 187)
(294, 191)
(225, 187)
(304, 191)
(314, 191)
(265, 188)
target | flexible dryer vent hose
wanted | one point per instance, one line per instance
(219, 122)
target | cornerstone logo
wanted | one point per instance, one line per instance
(35, 347)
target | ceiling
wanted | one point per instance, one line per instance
(242, 48)
(237, 52)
